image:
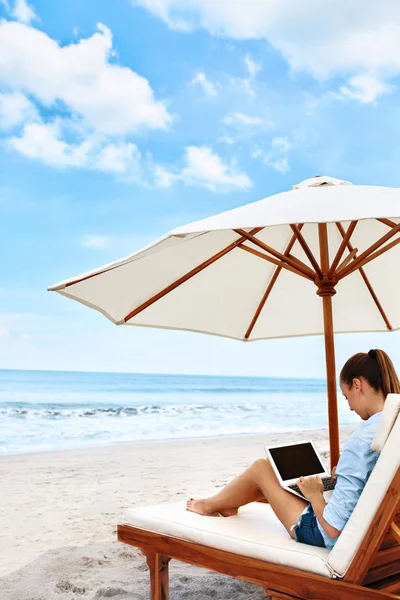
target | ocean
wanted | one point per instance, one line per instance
(48, 410)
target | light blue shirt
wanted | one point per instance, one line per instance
(353, 470)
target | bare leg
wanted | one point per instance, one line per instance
(259, 480)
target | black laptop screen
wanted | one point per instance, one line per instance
(295, 461)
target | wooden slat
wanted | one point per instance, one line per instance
(286, 580)
(395, 531)
(382, 572)
(376, 533)
(388, 541)
(390, 585)
(387, 555)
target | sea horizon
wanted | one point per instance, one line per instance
(321, 379)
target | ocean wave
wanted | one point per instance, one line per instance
(23, 411)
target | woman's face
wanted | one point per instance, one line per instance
(355, 397)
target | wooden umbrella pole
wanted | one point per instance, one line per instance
(326, 289)
(331, 380)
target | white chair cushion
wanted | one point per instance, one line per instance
(256, 533)
(377, 485)
(388, 418)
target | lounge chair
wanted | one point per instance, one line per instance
(255, 547)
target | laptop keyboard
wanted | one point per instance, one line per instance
(328, 482)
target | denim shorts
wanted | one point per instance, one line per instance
(306, 530)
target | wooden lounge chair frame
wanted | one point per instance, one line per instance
(374, 572)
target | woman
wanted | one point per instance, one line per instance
(365, 381)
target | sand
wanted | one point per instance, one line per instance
(59, 511)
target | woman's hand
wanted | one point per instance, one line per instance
(310, 486)
(333, 474)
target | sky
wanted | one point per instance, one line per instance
(120, 121)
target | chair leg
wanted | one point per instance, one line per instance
(159, 584)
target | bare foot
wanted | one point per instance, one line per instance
(201, 507)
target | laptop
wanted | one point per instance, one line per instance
(300, 459)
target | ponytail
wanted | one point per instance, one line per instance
(390, 380)
(376, 367)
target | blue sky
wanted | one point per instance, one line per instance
(122, 120)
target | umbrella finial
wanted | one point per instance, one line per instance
(319, 181)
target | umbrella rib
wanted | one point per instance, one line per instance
(356, 264)
(346, 261)
(367, 282)
(307, 250)
(188, 275)
(341, 249)
(270, 286)
(274, 261)
(297, 264)
(387, 222)
(366, 255)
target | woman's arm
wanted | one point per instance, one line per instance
(312, 488)
(318, 503)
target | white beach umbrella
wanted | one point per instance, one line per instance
(259, 272)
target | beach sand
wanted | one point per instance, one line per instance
(59, 511)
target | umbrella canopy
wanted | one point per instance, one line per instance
(258, 271)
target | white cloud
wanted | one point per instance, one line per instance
(98, 242)
(163, 177)
(4, 333)
(281, 143)
(208, 86)
(237, 118)
(204, 168)
(274, 157)
(201, 167)
(279, 164)
(326, 39)
(107, 97)
(15, 108)
(23, 11)
(44, 141)
(226, 139)
(246, 83)
(119, 158)
(252, 66)
(365, 88)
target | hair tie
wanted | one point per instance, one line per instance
(372, 354)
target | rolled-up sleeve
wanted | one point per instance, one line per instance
(354, 467)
